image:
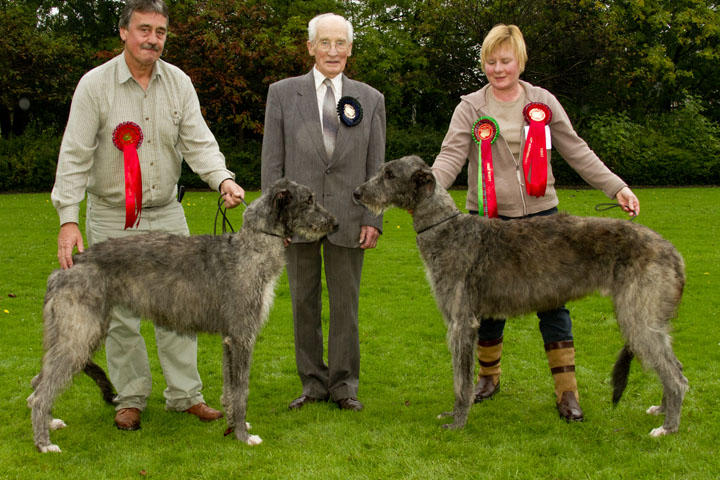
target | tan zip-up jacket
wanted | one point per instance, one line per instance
(512, 197)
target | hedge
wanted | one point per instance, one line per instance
(677, 148)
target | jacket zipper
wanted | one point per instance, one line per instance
(518, 173)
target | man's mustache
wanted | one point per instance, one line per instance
(150, 46)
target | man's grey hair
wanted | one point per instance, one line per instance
(312, 26)
(145, 6)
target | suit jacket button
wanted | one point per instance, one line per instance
(327, 172)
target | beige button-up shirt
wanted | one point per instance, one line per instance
(173, 128)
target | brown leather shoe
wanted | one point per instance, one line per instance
(485, 388)
(128, 419)
(303, 400)
(569, 408)
(349, 404)
(204, 413)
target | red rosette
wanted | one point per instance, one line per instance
(535, 158)
(127, 137)
(127, 133)
(537, 112)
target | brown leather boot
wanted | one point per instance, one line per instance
(561, 358)
(204, 412)
(486, 387)
(569, 408)
(488, 379)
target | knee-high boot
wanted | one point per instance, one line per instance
(561, 357)
(488, 381)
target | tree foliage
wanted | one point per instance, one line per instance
(635, 59)
(233, 49)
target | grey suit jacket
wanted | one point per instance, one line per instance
(293, 148)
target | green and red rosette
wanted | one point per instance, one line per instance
(485, 132)
(128, 137)
(535, 158)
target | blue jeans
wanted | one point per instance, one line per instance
(555, 325)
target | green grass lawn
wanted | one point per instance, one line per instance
(406, 377)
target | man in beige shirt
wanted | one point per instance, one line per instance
(161, 102)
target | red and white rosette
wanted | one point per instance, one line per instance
(485, 132)
(128, 137)
(535, 158)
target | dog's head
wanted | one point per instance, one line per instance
(401, 183)
(288, 208)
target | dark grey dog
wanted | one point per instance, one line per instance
(489, 268)
(216, 284)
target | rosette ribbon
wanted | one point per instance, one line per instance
(128, 137)
(485, 132)
(535, 158)
(350, 111)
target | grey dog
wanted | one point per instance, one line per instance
(216, 284)
(489, 268)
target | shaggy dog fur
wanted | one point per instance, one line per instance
(217, 284)
(489, 268)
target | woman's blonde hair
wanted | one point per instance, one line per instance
(499, 35)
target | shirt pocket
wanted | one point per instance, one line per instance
(170, 126)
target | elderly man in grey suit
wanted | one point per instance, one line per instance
(328, 132)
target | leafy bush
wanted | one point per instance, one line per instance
(417, 140)
(241, 158)
(681, 147)
(677, 148)
(28, 162)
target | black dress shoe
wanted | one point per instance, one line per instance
(349, 404)
(303, 400)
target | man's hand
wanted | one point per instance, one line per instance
(368, 237)
(232, 192)
(68, 238)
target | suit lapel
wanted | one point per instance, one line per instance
(349, 90)
(307, 104)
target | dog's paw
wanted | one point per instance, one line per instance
(654, 410)
(247, 426)
(57, 424)
(445, 415)
(254, 440)
(31, 400)
(658, 432)
(50, 448)
(453, 426)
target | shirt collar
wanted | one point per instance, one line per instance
(124, 71)
(320, 78)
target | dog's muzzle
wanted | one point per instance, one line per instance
(335, 226)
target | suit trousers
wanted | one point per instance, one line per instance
(127, 357)
(555, 325)
(340, 377)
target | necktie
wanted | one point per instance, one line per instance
(330, 119)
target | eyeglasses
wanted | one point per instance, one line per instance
(340, 45)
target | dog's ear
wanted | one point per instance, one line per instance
(424, 182)
(281, 200)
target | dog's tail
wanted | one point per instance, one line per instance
(620, 373)
(95, 372)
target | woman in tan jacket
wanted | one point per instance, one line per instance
(514, 125)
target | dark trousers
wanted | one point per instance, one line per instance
(340, 377)
(555, 325)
